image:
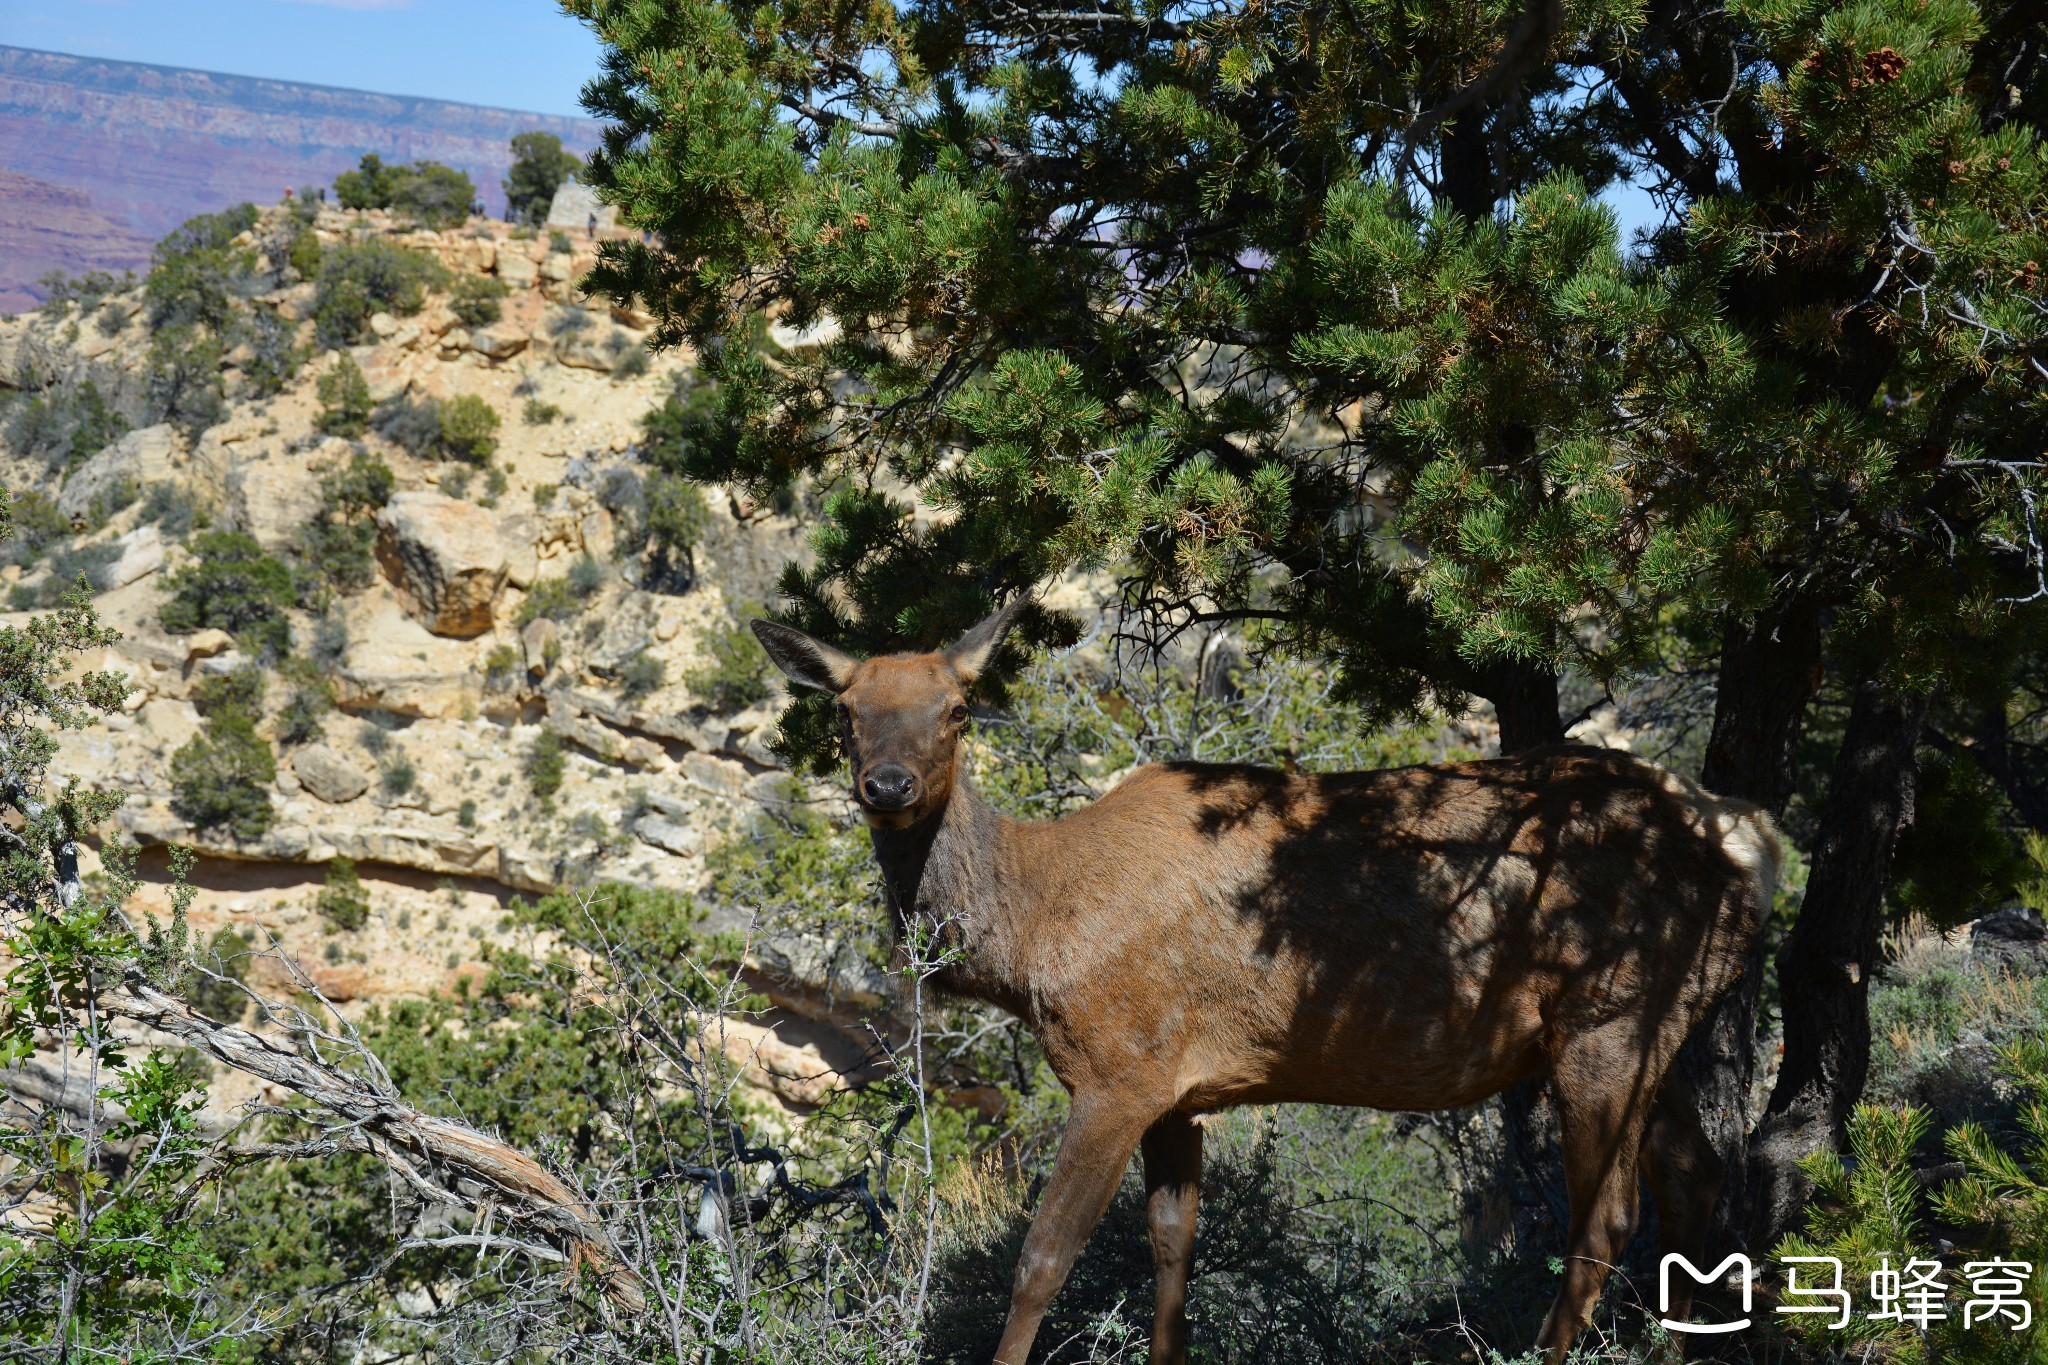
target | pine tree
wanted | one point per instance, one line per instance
(1310, 315)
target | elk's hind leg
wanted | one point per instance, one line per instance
(1603, 1097)
(1173, 1173)
(1684, 1176)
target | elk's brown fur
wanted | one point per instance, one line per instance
(1206, 936)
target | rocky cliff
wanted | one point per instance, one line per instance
(421, 772)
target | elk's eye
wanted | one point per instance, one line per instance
(959, 714)
(845, 712)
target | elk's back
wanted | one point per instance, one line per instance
(1412, 938)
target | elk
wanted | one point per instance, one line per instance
(1206, 935)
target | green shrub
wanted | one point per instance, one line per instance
(465, 814)
(545, 765)
(558, 241)
(475, 300)
(345, 405)
(461, 428)
(411, 424)
(37, 525)
(343, 901)
(538, 413)
(233, 585)
(304, 256)
(183, 385)
(369, 277)
(197, 273)
(368, 186)
(641, 674)
(237, 693)
(397, 774)
(676, 517)
(560, 599)
(64, 425)
(734, 673)
(336, 548)
(63, 293)
(307, 702)
(433, 195)
(70, 568)
(630, 359)
(502, 666)
(220, 779)
(173, 509)
(274, 356)
(468, 428)
(539, 166)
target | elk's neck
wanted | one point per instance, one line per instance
(947, 888)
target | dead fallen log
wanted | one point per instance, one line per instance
(443, 1162)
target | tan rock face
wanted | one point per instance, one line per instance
(141, 457)
(328, 774)
(496, 342)
(142, 554)
(445, 558)
(271, 500)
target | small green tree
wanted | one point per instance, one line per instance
(468, 429)
(539, 166)
(433, 195)
(335, 547)
(232, 585)
(545, 765)
(368, 186)
(221, 778)
(344, 901)
(345, 405)
(476, 300)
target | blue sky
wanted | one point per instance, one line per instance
(515, 54)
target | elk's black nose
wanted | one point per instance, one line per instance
(888, 786)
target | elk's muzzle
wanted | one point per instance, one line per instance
(888, 787)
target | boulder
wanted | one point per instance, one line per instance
(328, 774)
(141, 457)
(593, 348)
(2015, 938)
(498, 343)
(270, 500)
(204, 644)
(542, 640)
(142, 554)
(383, 324)
(515, 267)
(446, 559)
(521, 533)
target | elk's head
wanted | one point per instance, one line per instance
(901, 714)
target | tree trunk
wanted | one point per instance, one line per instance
(1770, 668)
(1824, 968)
(1524, 698)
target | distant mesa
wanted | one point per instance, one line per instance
(109, 156)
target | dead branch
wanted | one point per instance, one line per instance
(442, 1161)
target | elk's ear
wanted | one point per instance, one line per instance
(970, 653)
(812, 663)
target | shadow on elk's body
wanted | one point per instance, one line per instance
(1421, 938)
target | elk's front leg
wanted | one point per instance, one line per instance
(1173, 1174)
(1093, 1153)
